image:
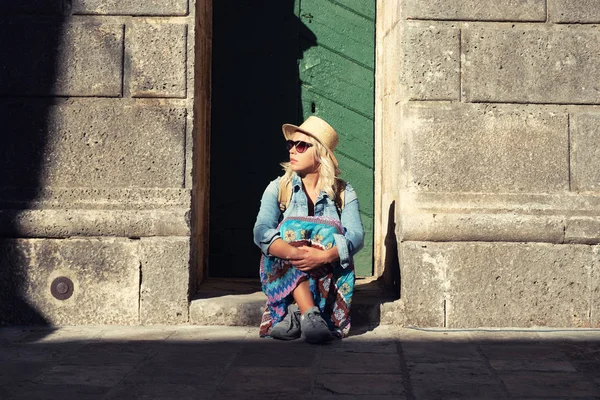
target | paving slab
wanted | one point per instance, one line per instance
(105, 376)
(37, 352)
(363, 384)
(589, 350)
(254, 396)
(521, 351)
(490, 336)
(440, 352)
(28, 391)
(267, 380)
(358, 363)
(156, 391)
(67, 334)
(549, 384)
(454, 391)
(206, 376)
(16, 371)
(362, 346)
(103, 353)
(434, 335)
(206, 333)
(295, 356)
(332, 396)
(137, 333)
(533, 365)
(570, 335)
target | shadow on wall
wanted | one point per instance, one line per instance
(30, 33)
(370, 296)
(256, 89)
(391, 272)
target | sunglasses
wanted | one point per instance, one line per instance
(301, 146)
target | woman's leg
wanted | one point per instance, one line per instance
(313, 327)
(303, 296)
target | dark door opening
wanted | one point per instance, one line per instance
(278, 62)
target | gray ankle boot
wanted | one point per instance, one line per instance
(289, 327)
(313, 326)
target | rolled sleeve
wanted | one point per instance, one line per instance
(265, 227)
(352, 241)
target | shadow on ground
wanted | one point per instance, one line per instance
(232, 363)
(30, 33)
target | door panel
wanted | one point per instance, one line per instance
(338, 79)
(338, 84)
(350, 125)
(340, 30)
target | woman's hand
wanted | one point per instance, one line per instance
(311, 258)
(294, 254)
(279, 248)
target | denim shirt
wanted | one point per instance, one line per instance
(268, 218)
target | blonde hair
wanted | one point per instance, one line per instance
(328, 173)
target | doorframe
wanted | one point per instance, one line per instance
(386, 17)
(203, 28)
(387, 148)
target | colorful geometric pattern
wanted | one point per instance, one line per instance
(332, 286)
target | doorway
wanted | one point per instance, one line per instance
(279, 62)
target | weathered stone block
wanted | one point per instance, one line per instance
(477, 10)
(79, 222)
(582, 230)
(93, 144)
(431, 63)
(443, 226)
(585, 152)
(131, 7)
(562, 217)
(423, 285)
(499, 284)
(79, 59)
(229, 310)
(123, 212)
(165, 280)
(104, 272)
(158, 60)
(531, 66)
(95, 198)
(464, 148)
(569, 11)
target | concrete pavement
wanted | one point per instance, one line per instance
(385, 362)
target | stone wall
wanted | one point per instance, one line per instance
(98, 109)
(488, 116)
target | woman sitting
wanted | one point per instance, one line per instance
(308, 242)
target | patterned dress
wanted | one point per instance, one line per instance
(332, 286)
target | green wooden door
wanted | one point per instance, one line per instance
(337, 74)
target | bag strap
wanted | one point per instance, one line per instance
(339, 199)
(284, 196)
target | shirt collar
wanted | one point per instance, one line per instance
(296, 182)
(297, 185)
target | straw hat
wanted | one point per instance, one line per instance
(318, 129)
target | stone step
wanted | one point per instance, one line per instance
(240, 302)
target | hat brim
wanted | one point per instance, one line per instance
(290, 129)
